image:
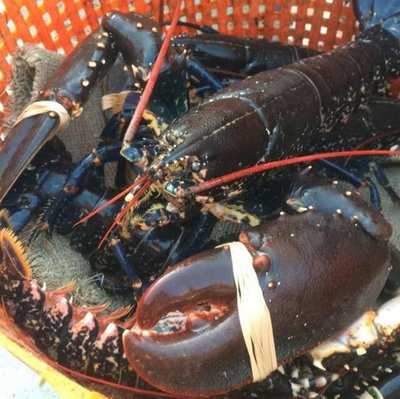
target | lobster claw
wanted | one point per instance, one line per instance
(139, 39)
(63, 98)
(17, 150)
(317, 273)
(187, 325)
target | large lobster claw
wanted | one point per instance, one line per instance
(318, 273)
(188, 335)
(70, 87)
(62, 99)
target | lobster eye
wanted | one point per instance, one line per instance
(171, 188)
(133, 154)
(196, 166)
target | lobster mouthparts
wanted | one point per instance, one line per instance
(319, 272)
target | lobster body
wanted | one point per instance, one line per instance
(261, 118)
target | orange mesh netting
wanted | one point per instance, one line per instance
(60, 24)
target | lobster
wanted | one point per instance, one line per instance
(200, 318)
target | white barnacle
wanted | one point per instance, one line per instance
(339, 211)
(101, 45)
(139, 25)
(129, 197)
(387, 320)
(348, 193)
(85, 83)
(92, 64)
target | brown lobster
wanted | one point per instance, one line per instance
(187, 327)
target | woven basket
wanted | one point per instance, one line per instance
(60, 25)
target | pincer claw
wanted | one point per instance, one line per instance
(192, 330)
(190, 311)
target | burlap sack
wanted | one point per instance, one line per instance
(31, 69)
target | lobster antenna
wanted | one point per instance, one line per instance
(124, 211)
(379, 136)
(155, 71)
(230, 177)
(114, 199)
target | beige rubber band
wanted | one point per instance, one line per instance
(43, 107)
(254, 315)
(114, 101)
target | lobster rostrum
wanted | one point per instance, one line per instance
(186, 337)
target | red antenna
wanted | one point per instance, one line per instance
(136, 198)
(230, 177)
(155, 71)
(124, 192)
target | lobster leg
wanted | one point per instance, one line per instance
(76, 180)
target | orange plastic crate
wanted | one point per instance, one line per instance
(60, 25)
